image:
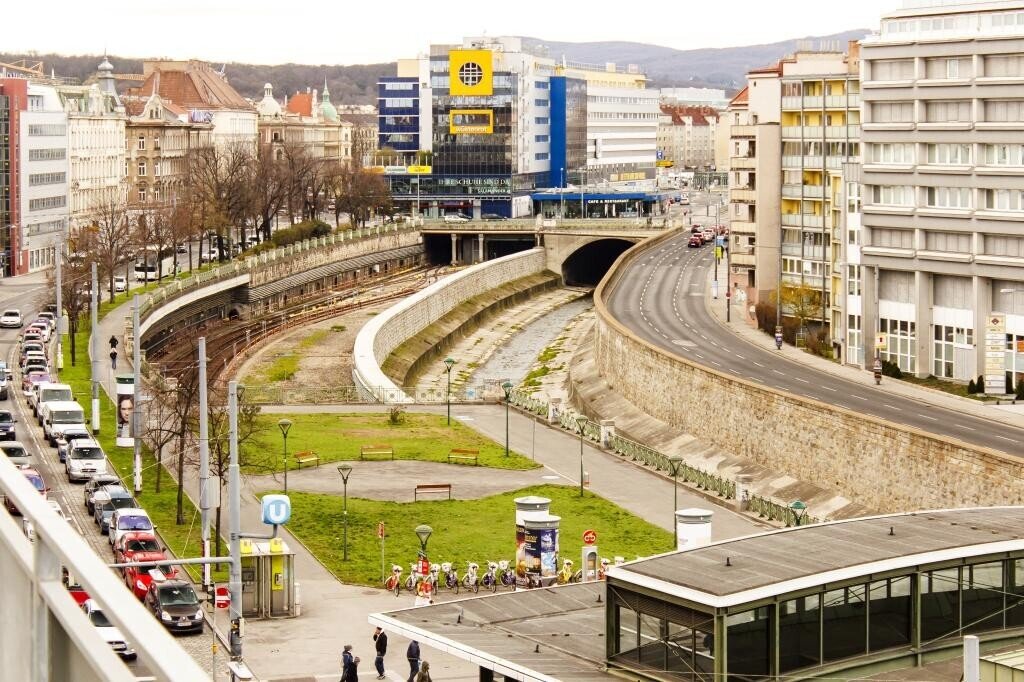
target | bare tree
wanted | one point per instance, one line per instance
(155, 228)
(357, 192)
(266, 187)
(111, 233)
(217, 181)
(76, 277)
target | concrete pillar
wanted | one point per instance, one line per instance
(607, 432)
(554, 410)
(480, 248)
(982, 304)
(972, 659)
(455, 252)
(923, 322)
(869, 313)
(693, 528)
(743, 491)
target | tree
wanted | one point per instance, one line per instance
(357, 192)
(111, 233)
(217, 178)
(155, 228)
(802, 302)
(76, 277)
(265, 190)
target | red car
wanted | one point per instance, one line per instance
(695, 242)
(140, 546)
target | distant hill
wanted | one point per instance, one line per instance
(356, 84)
(667, 67)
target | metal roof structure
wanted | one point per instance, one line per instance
(547, 634)
(768, 564)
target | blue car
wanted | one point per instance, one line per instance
(105, 501)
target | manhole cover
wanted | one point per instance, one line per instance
(684, 344)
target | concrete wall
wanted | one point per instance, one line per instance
(883, 465)
(387, 331)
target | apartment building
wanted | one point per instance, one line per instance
(44, 177)
(943, 197)
(307, 120)
(687, 135)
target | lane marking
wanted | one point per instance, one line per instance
(961, 426)
(895, 409)
(924, 416)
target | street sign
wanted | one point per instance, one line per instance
(222, 598)
(277, 509)
(380, 530)
(881, 341)
(589, 537)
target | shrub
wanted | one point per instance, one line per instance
(819, 343)
(972, 387)
(308, 229)
(981, 383)
(891, 369)
(396, 414)
(1020, 390)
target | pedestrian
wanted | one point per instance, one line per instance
(380, 640)
(349, 665)
(113, 358)
(413, 654)
(113, 341)
(424, 674)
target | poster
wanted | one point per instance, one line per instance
(125, 410)
(548, 555)
(995, 354)
(520, 555)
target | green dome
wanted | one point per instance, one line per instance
(327, 110)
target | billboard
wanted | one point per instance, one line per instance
(472, 72)
(471, 122)
(125, 410)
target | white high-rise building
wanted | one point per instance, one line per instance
(44, 175)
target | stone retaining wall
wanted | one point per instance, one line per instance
(880, 464)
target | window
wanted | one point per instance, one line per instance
(854, 339)
(948, 197)
(952, 111)
(748, 642)
(35, 102)
(142, 168)
(540, 138)
(940, 604)
(1004, 199)
(541, 156)
(901, 336)
(892, 112)
(540, 102)
(542, 85)
(541, 120)
(892, 70)
(951, 154)
(892, 195)
(36, 179)
(47, 203)
(1004, 245)
(156, 169)
(399, 102)
(47, 154)
(799, 634)
(891, 153)
(1004, 111)
(853, 199)
(844, 615)
(947, 68)
(949, 242)
(889, 611)
(142, 193)
(140, 144)
(853, 280)
(47, 130)
(1004, 154)
(1004, 66)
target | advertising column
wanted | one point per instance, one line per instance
(541, 535)
(524, 505)
(125, 410)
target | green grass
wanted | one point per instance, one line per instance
(183, 541)
(335, 437)
(943, 385)
(282, 368)
(464, 530)
(338, 327)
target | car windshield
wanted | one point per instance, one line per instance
(99, 620)
(11, 313)
(14, 451)
(92, 452)
(125, 503)
(134, 523)
(6, 418)
(66, 417)
(106, 507)
(37, 482)
(142, 546)
(178, 596)
(55, 394)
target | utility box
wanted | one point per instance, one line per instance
(268, 579)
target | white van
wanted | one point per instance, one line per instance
(45, 392)
(59, 415)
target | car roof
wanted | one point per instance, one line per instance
(132, 511)
(85, 443)
(12, 443)
(99, 478)
(12, 310)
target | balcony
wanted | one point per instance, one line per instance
(842, 132)
(806, 220)
(742, 227)
(743, 131)
(743, 194)
(851, 101)
(792, 161)
(791, 250)
(739, 258)
(741, 162)
(797, 191)
(812, 162)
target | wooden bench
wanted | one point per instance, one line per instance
(376, 451)
(464, 455)
(306, 456)
(432, 488)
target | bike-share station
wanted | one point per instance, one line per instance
(537, 547)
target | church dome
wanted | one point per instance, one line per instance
(268, 106)
(327, 110)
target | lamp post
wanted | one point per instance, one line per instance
(674, 463)
(448, 362)
(284, 425)
(581, 423)
(799, 510)
(345, 470)
(561, 193)
(423, 532)
(507, 387)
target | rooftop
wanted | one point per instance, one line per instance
(791, 559)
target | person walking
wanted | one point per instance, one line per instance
(413, 654)
(113, 341)
(424, 674)
(380, 641)
(349, 665)
(113, 358)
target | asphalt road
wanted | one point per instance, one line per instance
(661, 298)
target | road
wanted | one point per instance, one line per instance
(664, 304)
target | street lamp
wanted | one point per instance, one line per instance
(799, 510)
(674, 463)
(284, 425)
(581, 424)
(345, 470)
(423, 532)
(448, 362)
(507, 387)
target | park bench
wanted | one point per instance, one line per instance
(432, 488)
(464, 455)
(376, 451)
(305, 457)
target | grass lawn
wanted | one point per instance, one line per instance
(183, 541)
(945, 386)
(464, 530)
(285, 365)
(335, 437)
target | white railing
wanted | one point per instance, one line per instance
(46, 635)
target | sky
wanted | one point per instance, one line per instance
(361, 32)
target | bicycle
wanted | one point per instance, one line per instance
(435, 571)
(490, 579)
(507, 576)
(393, 583)
(601, 572)
(566, 574)
(470, 580)
(451, 576)
(410, 582)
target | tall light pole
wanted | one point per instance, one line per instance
(285, 425)
(94, 350)
(234, 524)
(507, 387)
(674, 462)
(345, 470)
(581, 424)
(448, 363)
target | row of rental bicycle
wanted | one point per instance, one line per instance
(445, 575)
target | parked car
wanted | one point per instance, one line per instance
(456, 218)
(174, 603)
(36, 479)
(29, 528)
(492, 217)
(85, 458)
(43, 328)
(51, 317)
(46, 393)
(120, 283)
(108, 500)
(181, 248)
(17, 453)
(695, 242)
(30, 379)
(140, 546)
(69, 436)
(94, 484)
(5, 383)
(7, 422)
(126, 520)
(108, 631)
(11, 319)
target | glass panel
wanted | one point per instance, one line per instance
(680, 648)
(1015, 604)
(844, 623)
(940, 604)
(982, 597)
(626, 637)
(652, 643)
(889, 610)
(747, 645)
(799, 633)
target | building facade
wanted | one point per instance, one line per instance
(305, 121)
(687, 136)
(13, 102)
(943, 243)
(45, 177)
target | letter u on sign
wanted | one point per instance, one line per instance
(277, 509)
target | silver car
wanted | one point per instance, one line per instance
(17, 453)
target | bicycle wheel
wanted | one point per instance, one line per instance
(476, 586)
(455, 585)
(577, 576)
(494, 585)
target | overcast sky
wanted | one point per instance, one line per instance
(358, 31)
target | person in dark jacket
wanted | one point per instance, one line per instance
(380, 642)
(424, 673)
(413, 654)
(349, 665)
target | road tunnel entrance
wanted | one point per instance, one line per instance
(589, 263)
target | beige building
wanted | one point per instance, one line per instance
(307, 121)
(364, 132)
(687, 135)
